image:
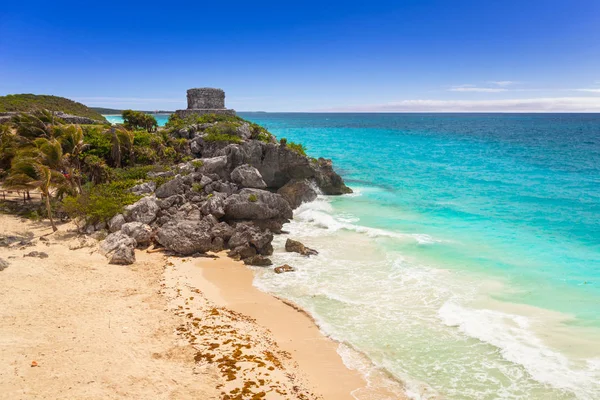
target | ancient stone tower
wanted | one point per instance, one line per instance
(205, 101)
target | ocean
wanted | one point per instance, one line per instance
(466, 263)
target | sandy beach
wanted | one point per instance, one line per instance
(164, 328)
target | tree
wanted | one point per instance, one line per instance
(121, 142)
(139, 120)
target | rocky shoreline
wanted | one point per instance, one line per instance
(232, 196)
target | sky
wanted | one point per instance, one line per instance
(403, 56)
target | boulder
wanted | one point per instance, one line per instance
(3, 264)
(245, 234)
(222, 230)
(247, 176)
(297, 247)
(123, 255)
(143, 188)
(257, 204)
(171, 188)
(244, 131)
(185, 237)
(215, 205)
(297, 192)
(116, 223)
(214, 165)
(142, 233)
(144, 210)
(284, 268)
(114, 241)
(258, 260)
(242, 252)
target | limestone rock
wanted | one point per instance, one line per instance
(297, 192)
(144, 210)
(257, 204)
(142, 233)
(284, 268)
(260, 240)
(297, 247)
(258, 260)
(114, 241)
(116, 223)
(143, 188)
(3, 264)
(215, 205)
(247, 176)
(123, 255)
(171, 188)
(185, 237)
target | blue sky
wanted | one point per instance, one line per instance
(426, 55)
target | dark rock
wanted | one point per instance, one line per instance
(297, 192)
(38, 254)
(242, 251)
(116, 223)
(260, 240)
(215, 205)
(222, 230)
(297, 247)
(172, 188)
(123, 255)
(142, 233)
(257, 204)
(144, 210)
(247, 176)
(218, 244)
(284, 268)
(185, 237)
(170, 201)
(258, 260)
(3, 264)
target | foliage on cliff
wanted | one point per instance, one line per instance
(32, 102)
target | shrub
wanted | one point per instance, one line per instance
(252, 198)
(222, 137)
(139, 120)
(133, 173)
(297, 147)
(283, 141)
(99, 142)
(100, 202)
(197, 187)
(197, 163)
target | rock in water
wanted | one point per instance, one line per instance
(284, 268)
(297, 247)
(258, 260)
(297, 192)
(185, 237)
(247, 176)
(142, 233)
(123, 255)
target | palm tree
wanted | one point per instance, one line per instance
(72, 140)
(122, 141)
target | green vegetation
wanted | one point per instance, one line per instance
(87, 171)
(297, 147)
(33, 102)
(139, 120)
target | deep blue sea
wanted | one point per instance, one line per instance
(467, 262)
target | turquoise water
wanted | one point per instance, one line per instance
(467, 262)
(117, 119)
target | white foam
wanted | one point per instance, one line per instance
(518, 343)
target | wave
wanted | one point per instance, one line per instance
(319, 213)
(519, 344)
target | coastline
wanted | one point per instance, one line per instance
(154, 329)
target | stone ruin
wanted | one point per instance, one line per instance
(205, 101)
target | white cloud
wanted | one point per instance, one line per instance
(471, 88)
(589, 90)
(547, 104)
(503, 83)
